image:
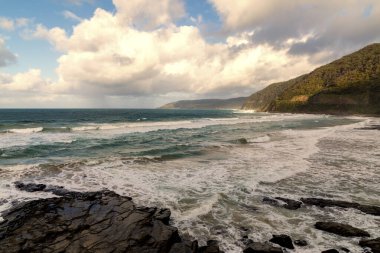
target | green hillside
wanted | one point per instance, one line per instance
(348, 85)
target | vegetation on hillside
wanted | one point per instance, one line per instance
(348, 85)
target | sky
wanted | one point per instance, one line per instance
(144, 53)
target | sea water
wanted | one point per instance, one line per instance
(192, 162)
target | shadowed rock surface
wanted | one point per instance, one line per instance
(341, 229)
(368, 209)
(330, 251)
(91, 222)
(257, 247)
(283, 240)
(373, 244)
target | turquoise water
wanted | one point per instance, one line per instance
(192, 162)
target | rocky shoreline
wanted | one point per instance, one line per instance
(104, 221)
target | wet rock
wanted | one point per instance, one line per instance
(242, 141)
(212, 247)
(301, 243)
(368, 209)
(185, 247)
(330, 251)
(283, 240)
(344, 249)
(283, 202)
(271, 201)
(30, 187)
(290, 203)
(100, 221)
(371, 127)
(257, 247)
(341, 229)
(373, 244)
(3, 201)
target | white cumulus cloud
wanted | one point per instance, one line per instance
(108, 54)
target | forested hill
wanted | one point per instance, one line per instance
(345, 86)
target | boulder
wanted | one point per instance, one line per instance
(100, 221)
(282, 240)
(242, 141)
(373, 244)
(368, 209)
(341, 229)
(30, 187)
(257, 247)
(330, 251)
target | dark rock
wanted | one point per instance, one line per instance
(373, 244)
(242, 141)
(290, 203)
(301, 243)
(371, 127)
(271, 201)
(283, 202)
(344, 249)
(330, 251)
(185, 247)
(282, 240)
(368, 209)
(91, 222)
(257, 247)
(341, 229)
(30, 187)
(212, 247)
(3, 201)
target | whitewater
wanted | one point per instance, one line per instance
(193, 163)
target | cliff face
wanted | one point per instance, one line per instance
(345, 86)
(232, 103)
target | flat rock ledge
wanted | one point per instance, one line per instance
(341, 229)
(368, 209)
(101, 221)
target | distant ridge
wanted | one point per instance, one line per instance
(232, 103)
(350, 85)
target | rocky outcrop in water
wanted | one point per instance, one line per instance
(283, 202)
(282, 240)
(100, 221)
(373, 244)
(330, 251)
(257, 247)
(341, 229)
(301, 243)
(368, 209)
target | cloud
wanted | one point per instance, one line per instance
(30, 81)
(149, 14)
(79, 2)
(110, 55)
(72, 16)
(336, 26)
(6, 56)
(140, 51)
(11, 24)
(6, 24)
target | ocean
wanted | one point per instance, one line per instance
(192, 162)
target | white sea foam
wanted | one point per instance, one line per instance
(205, 193)
(25, 130)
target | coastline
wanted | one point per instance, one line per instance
(104, 221)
